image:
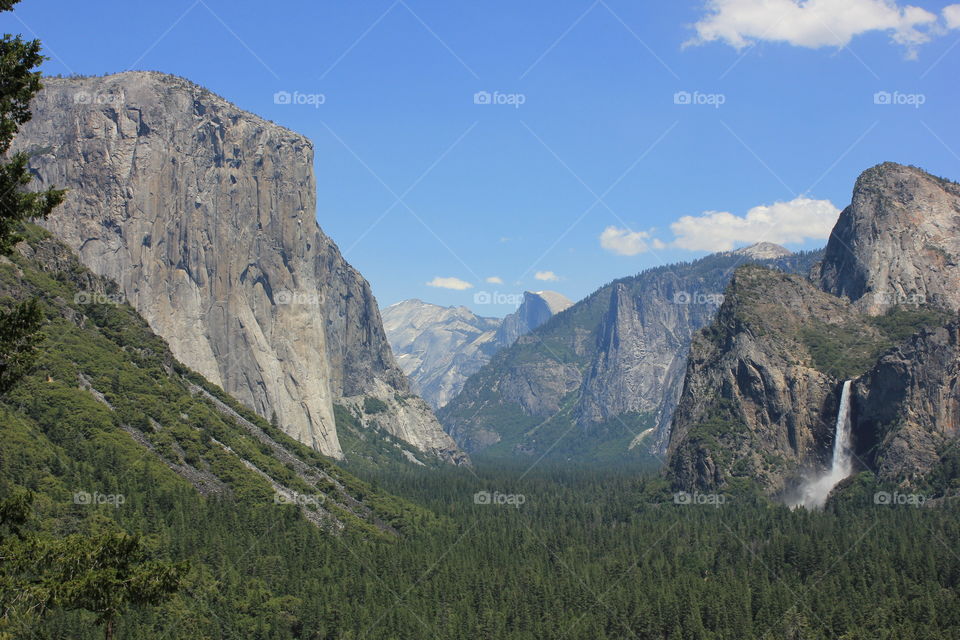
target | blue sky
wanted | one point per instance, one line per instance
(608, 121)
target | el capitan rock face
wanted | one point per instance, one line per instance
(897, 242)
(205, 216)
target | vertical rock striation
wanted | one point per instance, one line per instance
(205, 216)
(908, 406)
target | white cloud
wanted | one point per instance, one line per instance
(951, 15)
(546, 276)
(624, 242)
(494, 280)
(813, 23)
(449, 283)
(782, 222)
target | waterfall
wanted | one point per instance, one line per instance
(814, 493)
(842, 465)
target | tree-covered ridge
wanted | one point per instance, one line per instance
(102, 373)
(588, 554)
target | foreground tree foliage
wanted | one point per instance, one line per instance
(589, 554)
(19, 82)
(103, 574)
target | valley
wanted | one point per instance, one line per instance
(246, 393)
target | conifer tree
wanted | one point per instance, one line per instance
(19, 82)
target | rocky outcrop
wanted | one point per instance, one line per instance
(754, 403)
(760, 396)
(180, 426)
(604, 374)
(897, 243)
(641, 347)
(537, 307)
(205, 216)
(907, 407)
(438, 347)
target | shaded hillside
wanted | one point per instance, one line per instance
(108, 409)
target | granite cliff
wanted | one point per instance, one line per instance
(897, 242)
(205, 216)
(763, 380)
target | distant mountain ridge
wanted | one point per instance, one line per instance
(588, 382)
(537, 307)
(440, 347)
